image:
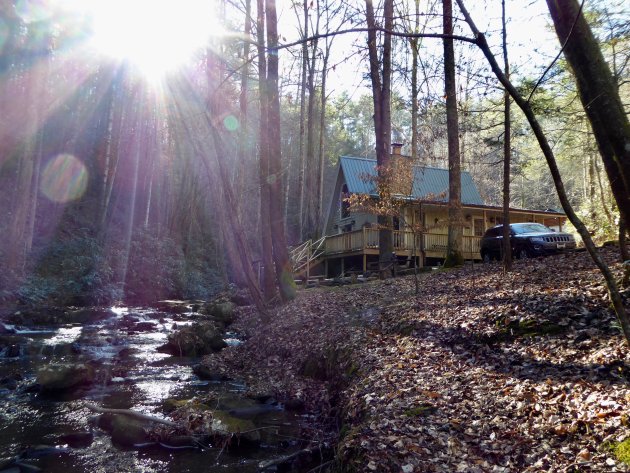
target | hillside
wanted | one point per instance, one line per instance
(480, 372)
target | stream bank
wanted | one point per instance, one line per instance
(70, 377)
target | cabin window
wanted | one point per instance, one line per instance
(478, 227)
(345, 206)
(396, 222)
(418, 217)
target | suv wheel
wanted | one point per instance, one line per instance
(485, 257)
(523, 253)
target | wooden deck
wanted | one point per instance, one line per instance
(365, 242)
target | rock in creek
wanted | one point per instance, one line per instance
(227, 425)
(208, 374)
(77, 439)
(222, 312)
(11, 382)
(4, 330)
(174, 307)
(125, 430)
(197, 340)
(59, 315)
(241, 298)
(11, 469)
(60, 377)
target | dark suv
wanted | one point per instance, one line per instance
(528, 240)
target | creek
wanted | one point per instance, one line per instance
(56, 432)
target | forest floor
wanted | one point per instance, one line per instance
(480, 372)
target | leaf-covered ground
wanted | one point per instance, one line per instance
(482, 372)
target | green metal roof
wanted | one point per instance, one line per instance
(429, 183)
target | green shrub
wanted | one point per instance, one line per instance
(70, 271)
(153, 268)
(622, 451)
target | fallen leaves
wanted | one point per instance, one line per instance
(483, 372)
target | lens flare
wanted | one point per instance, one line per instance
(231, 123)
(64, 178)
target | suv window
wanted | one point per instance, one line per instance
(530, 228)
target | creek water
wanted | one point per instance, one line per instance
(131, 374)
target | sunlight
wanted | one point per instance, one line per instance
(155, 36)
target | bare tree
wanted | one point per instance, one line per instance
(507, 151)
(524, 105)
(599, 95)
(284, 275)
(381, 92)
(266, 250)
(454, 256)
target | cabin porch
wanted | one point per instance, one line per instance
(355, 250)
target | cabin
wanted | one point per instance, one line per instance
(351, 238)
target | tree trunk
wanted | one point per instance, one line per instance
(454, 256)
(381, 91)
(623, 248)
(230, 215)
(414, 85)
(284, 273)
(243, 148)
(310, 182)
(611, 283)
(266, 251)
(599, 95)
(131, 212)
(507, 152)
(322, 147)
(603, 197)
(591, 187)
(302, 176)
(119, 115)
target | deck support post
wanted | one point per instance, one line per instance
(343, 269)
(364, 263)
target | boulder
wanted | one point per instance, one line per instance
(77, 439)
(124, 429)
(226, 425)
(10, 382)
(11, 469)
(241, 298)
(58, 350)
(145, 326)
(173, 306)
(180, 441)
(13, 351)
(127, 431)
(294, 404)
(87, 315)
(206, 373)
(4, 330)
(60, 377)
(220, 311)
(38, 316)
(197, 340)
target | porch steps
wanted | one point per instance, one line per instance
(307, 256)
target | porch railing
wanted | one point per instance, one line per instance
(435, 245)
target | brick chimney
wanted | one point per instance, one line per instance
(396, 148)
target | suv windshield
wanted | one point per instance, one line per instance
(530, 228)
